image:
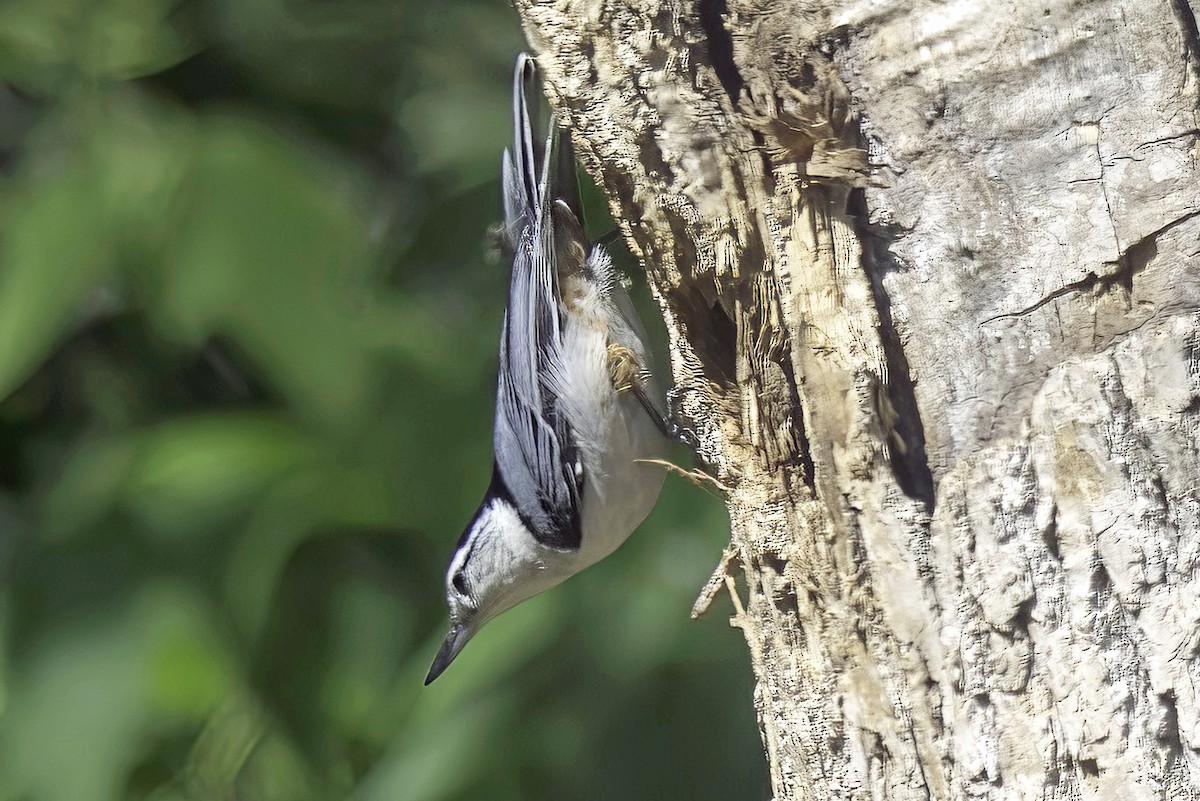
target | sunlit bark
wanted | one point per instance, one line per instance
(930, 276)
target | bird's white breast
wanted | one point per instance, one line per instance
(612, 429)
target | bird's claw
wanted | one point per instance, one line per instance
(623, 368)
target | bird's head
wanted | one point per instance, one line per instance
(496, 565)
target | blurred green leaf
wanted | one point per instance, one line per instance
(266, 250)
(46, 43)
(427, 764)
(89, 691)
(192, 473)
(452, 150)
(220, 751)
(341, 55)
(58, 243)
(87, 488)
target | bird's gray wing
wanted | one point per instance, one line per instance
(536, 455)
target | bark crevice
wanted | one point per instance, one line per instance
(720, 46)
(899, 407)
(1191, 33)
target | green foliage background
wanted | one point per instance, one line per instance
(247, 340)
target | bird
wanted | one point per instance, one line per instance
(577, 405)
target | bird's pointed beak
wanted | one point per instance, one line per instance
(456, 638)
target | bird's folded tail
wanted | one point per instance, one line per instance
(539, 169)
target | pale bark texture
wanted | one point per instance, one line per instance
(930, 273)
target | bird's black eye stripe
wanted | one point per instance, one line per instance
(460, 582)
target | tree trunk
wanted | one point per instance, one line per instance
(928, 273)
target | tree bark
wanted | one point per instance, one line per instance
(929, 276)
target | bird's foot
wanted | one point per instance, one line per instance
(623, 368)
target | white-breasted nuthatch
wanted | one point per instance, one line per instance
(576, 405)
